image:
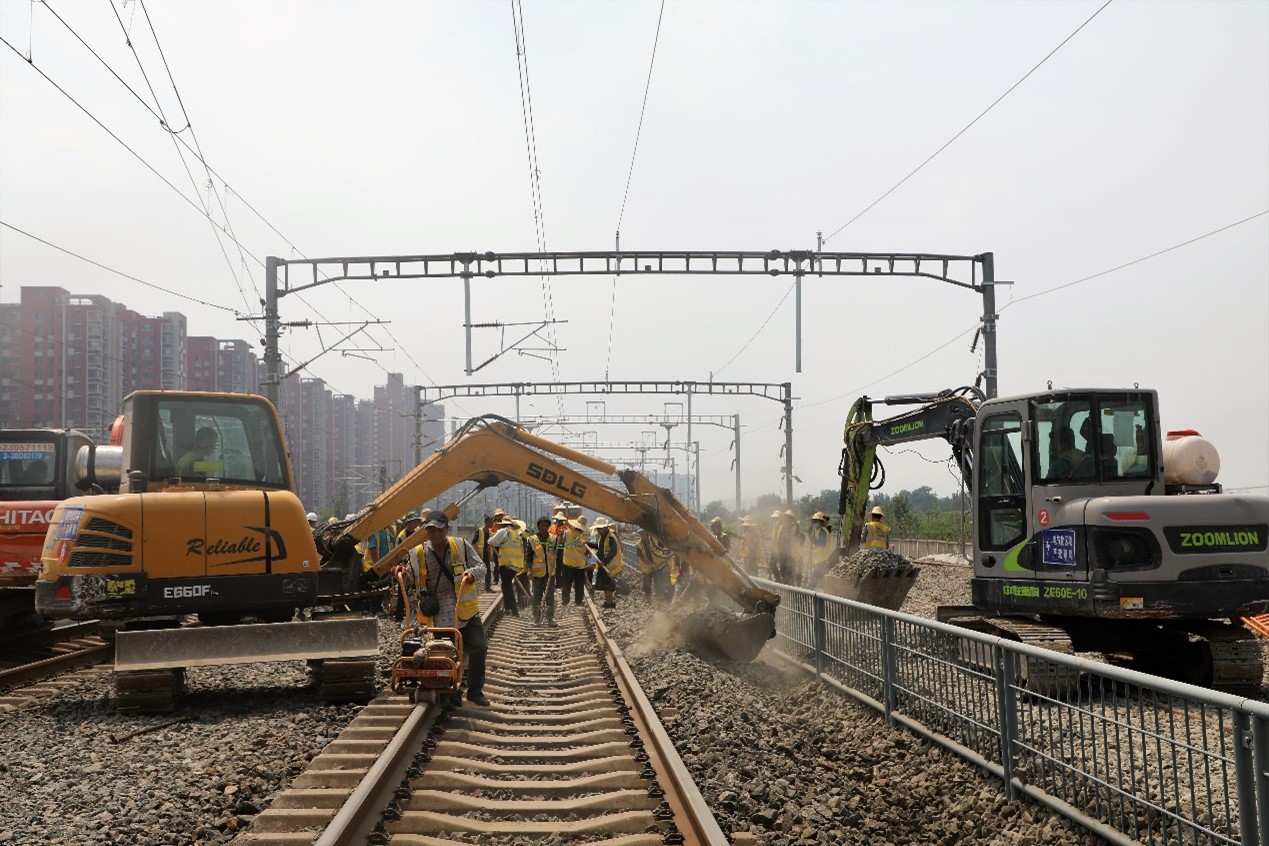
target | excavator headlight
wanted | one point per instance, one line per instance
(1123, 548)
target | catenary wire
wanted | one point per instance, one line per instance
(213, 175)
(612, 307)
(758, 332)
(914, 172)
(535, 179)
(109, 269)
(1136, 260)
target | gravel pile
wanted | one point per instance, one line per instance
(795, 764)
(249, 730)
(873, 562)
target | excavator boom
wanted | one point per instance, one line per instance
(947, 414)
(490, 450)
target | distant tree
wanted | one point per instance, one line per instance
(715, 509)
(769, 502)
(825, 500)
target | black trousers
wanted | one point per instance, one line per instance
(573, 578)
(474, 648)
(541, 593)
(508, 578)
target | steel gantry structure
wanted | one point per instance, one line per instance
(781, 392)
(972, 272)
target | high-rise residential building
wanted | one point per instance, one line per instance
(218, 365)
(62, 358)
(68, 360)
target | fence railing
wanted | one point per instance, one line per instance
(1135, 758)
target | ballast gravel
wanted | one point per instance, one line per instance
(245, 732)
(776, 755)
(795, 764)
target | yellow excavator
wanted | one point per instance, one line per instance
(206, 523)
(490, 450)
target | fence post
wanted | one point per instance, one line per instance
(889, 662)
(1260, 737)
(1006, 713)
(821, 640)
(1250, 793)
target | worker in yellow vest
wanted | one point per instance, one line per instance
(821, 551)
(513, 550)
(753, 547)
(448, 568)
(654, 563)
(876, 534)
(542, 571)
(572, 572)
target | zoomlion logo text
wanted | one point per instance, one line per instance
(910, 426)
(1197, 540)
(1223, 539)
(577, 490)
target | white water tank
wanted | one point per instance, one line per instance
(1189, 459)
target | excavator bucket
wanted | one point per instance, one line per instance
(716, 633)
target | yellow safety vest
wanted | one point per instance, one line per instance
(575, 549)
(511, 553)
(543, 556)
(652, 558)
(615, 566)
(876, 534)
(466, 605)
(820, 554)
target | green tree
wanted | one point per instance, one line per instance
(769, 502)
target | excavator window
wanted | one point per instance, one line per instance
(1002, 492)
(231, 439)
(1063, 449)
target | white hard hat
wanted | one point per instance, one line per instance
(312, 516)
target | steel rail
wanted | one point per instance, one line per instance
(43, 668)
(691, 812)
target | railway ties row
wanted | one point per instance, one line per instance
(559, 754)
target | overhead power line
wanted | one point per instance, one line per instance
(535, 179)
(612, 308)
(1136, 260)
(109, 269)
(758, 331)
(197, 153)
(1054, 289)
(971, 123)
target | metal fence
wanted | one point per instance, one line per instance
(1135, 758)
(915, 548)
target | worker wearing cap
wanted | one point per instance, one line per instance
(876, 534)
(609, 558)
(312, 519)
(513, 551)
(542, 571)
(572, 558)
(378, 545)
(753, 547)
(820, 549)
(449, 568)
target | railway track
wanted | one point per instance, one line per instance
(570, 748)
(36, 655)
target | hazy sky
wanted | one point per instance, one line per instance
(395, 128)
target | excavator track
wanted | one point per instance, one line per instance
(1229, 657)
(1044, 678)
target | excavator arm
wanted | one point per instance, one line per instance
(490, 450)
(947, 414)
